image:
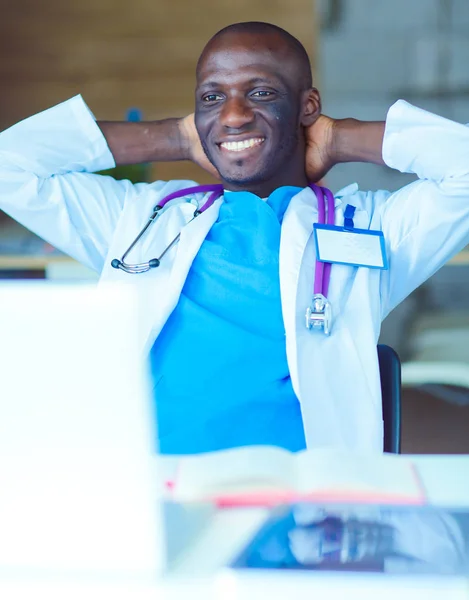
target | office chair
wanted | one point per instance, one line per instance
(390, 374)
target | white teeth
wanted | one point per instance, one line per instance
(238, 146)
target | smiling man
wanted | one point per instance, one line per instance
(223, 310)
(254, 93)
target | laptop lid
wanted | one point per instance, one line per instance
(77, 460)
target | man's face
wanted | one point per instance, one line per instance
(248, 110)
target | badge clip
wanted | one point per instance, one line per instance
(319, 314)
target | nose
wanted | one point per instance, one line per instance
(236, 113)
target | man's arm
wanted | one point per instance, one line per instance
(47, 182)
(358, 141)
(332, 141)
(155, 141)
(133, 143)
(425, 222)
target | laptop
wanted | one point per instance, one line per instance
(78, 469)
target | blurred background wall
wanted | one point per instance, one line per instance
(121, 53)
(372, 52)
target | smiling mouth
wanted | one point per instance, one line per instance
(236, 146)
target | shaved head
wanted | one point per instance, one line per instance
(286, 43)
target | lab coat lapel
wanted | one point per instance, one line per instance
(157, 291)
(296, 229)
(192, 237)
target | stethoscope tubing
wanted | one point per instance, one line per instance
(322, 271)
(134, 269)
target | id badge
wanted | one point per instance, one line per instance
(348, 246)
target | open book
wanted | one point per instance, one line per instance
(265, 475)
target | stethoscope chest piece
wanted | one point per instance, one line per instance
(319, 314)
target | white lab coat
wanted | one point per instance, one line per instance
(45, 184)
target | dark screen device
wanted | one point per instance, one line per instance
(379, 539)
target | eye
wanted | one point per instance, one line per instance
(211, 98)
(262, 94)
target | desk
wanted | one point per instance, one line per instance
(445, 479)
(198, 576)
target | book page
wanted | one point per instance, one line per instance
(234, 471)
(361, 476)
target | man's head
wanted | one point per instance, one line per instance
(254, 96)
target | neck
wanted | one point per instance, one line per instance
(263, 189)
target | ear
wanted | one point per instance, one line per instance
(311, 107)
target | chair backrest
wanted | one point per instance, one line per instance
(390, 373)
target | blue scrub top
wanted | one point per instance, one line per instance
(219, 366)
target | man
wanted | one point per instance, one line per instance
(223, 316)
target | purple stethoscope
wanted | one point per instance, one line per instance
(318, 315)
